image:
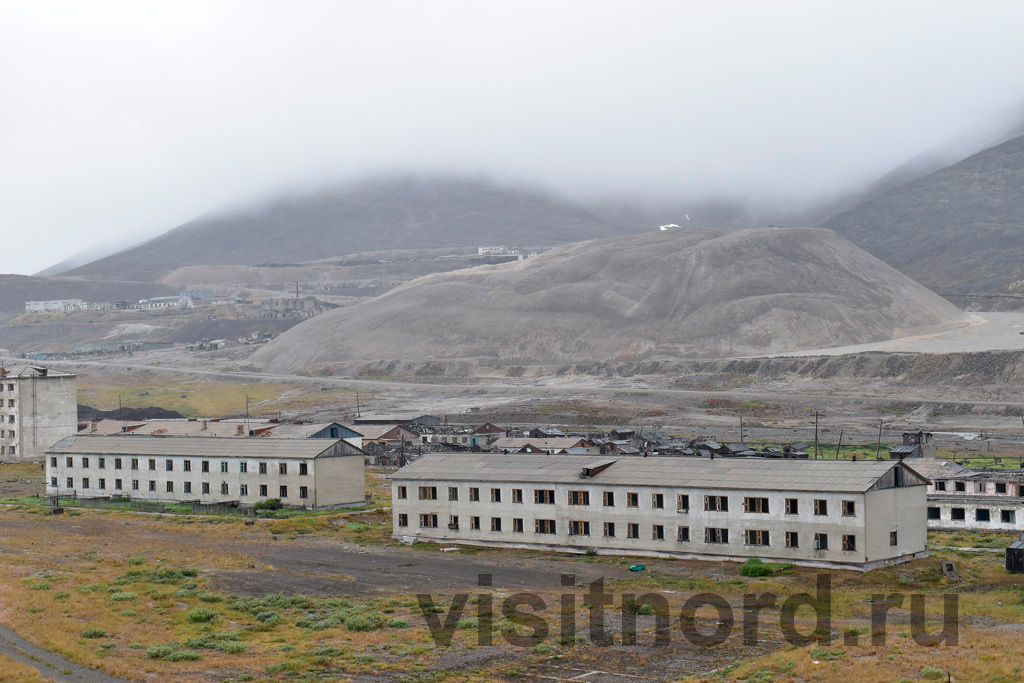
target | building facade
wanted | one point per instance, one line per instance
(303, 473)
(38, 408)
(855, 515)
(976, 500)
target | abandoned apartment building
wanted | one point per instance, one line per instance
(309, 473)
(38, 407)
(960, 498)
(855, 515)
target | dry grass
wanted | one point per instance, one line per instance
(12, 671)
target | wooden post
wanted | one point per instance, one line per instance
(878, 448)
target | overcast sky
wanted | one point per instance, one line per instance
(119, 120)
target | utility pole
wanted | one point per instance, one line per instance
(817, 451)
(741, 429)
(247, 413)
(840, 444)
(878, 448)
(357, 404)
(120, 411)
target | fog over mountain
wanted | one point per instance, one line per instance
(123, 121)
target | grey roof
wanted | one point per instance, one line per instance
(937, 468)
(197, 446)
(905, 448)
(720, 473)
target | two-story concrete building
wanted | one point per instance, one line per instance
(972, 499)
(856, 515)
(308, 473)
(38, 407)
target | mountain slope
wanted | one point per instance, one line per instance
(958, 229)
(667, 294)
(394, 213)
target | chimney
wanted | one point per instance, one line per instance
(92, 426)
(204, 426)
(240, 430)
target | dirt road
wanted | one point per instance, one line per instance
(50, 666)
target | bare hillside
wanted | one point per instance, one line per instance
(407, 212)
(674, 294)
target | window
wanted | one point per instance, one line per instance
(849, 508)
(263, 468)
(303, 492)
(152, 464)
(428, 493)
(152, 485)
(683, 502)
(792, 506)
(53, 481)
(1000, 487)
(940, 486)
(71, 483)
(658, 501)
(474, 494)
(243, 467)
(821, 541)
(135, 463)
(206, 488)
(632, 500)
(495, 495)
(403, 519)
(263, 490)
(820, 506)
(979, 487)
(632, 531)
(170, 487)
(453, 493)
(893, 538)
(453, 521)
(792, 539)
(495, 523)
(608, 499)
(544, 496)
(102, 484)
(103, 463)
(282, 468)
(517, 525)
(544, 526)
(69, 462)
(85, 463)
(135, 484)
(117, 484)
(474, 524)
(243, 490)
(224, 488)
(849, 542)
(578, 528)
(117, 463)
(960, 486)
(1007, 516)
(282, 491)
(303, 469)
(609, 529)
(756, 537)
(982, 515)
(517, 495)
(755, 505)
(712, 535)
(205, 466)
(428, 521)
(716, 503)
(402, 493)
(53, 462)
(934, 513)
(168, 465)
(658, 532)
(579, 497)
(223, 466)
(188, 487)
(957, 513)
(683, 534)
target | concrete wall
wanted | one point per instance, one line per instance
(805, 523)
(996, 505)
(340, 480)
(45, 411)
(895, 510)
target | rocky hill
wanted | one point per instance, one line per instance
(404, 213)
(955, 230)
(672, 294)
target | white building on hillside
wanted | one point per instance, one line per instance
(855, 515)
(38, 407)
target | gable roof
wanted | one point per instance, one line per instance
(199, 447)
(720, 473)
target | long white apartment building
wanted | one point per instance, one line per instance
(38, 407)
(307, 473)
(855, 515)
